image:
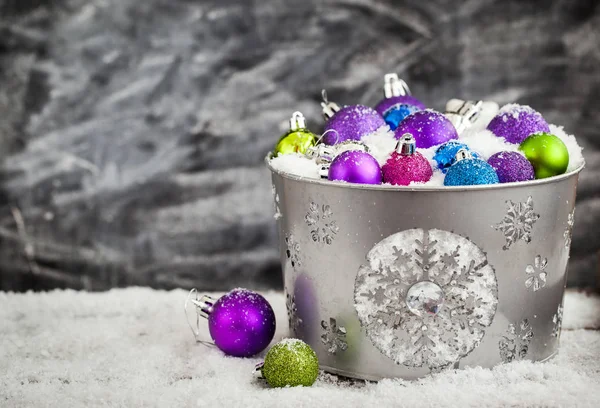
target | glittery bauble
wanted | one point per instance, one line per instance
(402, 169)
(445, 155)
(428, 127)
(469, 172)
(290, 363)
(296, 141)
(388, 103)
(394, 116)
(352, 123)
(511, 167)
(547, 153)
(516, 122)
(355, 166)
(242, 323)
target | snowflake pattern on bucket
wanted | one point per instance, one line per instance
(425, 297)
(517, 223)
(557, 321)
(319, 218)
(293, 251)
(536, 274)
(514, 345)
(294, 321)
(278, 215)
(334, 336)
(568, 234)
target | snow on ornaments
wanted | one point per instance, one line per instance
(290, 363)
(425, 297)
(241, 322)
(516, 123)
(428, 127)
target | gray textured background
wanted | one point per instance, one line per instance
(132, 132)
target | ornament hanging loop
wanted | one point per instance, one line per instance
(406, 145)
(463, 154)
(329, 108)
(394, 86)
(297, 121)
(203, 305)
(258, 371)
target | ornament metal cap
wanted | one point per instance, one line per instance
(258, 370)
(394, 86)
(463, 154)
(406, 146)
(203, 305)
(329, 108)
(321, 153)
(351, 145)
(297, 121)
(463, 114)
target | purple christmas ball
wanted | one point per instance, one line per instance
(428, 127)
(355, 166)
(517, 122)
(511, 167)
(352, 123)
(389, 103)
(242, 323)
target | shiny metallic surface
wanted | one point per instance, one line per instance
(424, 297)
(336, 225)
(394, 86)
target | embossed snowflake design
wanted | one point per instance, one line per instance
(536, 274)
(568, 234)
(425, 297)
(293, 251)
(293, 320)
(557, 321)
(515, 344)
(517, 223)
(278, 214)
(334, 336)
(319, 218)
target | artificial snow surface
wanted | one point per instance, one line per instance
(133, 347)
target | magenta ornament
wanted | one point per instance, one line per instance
(241, 322)
(517, 122)
(355, 166)
(428, 127)
(406, 165)
(511, 167)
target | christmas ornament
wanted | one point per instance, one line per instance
(398, 103)
(298, 139)
(428, 127)
(355, 166)
(547, 153)
(445, 155)
(511, 167)
(241, 322)
(468, 171)
(463, 114)
(324, 154)
(290, 363)
(516, 122)
(406, 165)
(350, 122)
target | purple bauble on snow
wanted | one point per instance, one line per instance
(428, 127)
(516, 122)
(352, 123)
(512, 167)
(242, 323)
(355, 166)
(389, 103)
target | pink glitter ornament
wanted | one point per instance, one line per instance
(406, 165)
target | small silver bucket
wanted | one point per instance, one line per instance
(400, 282)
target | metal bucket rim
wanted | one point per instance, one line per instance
(387, 187)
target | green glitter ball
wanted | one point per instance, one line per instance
(290, 363)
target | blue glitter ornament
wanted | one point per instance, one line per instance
(468, 171)
(397, 113)
(445, 155)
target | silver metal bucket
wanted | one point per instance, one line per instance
(400, 282)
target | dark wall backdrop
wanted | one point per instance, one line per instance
(132, 132)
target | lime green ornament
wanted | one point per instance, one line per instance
(547, 153)
(290, 363)
(298, 139)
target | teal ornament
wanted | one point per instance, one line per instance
(468, 171)
(445, 155)
(398, 113)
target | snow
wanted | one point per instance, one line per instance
(575, 151)
(133, 347)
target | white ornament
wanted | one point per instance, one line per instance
(425, 297)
